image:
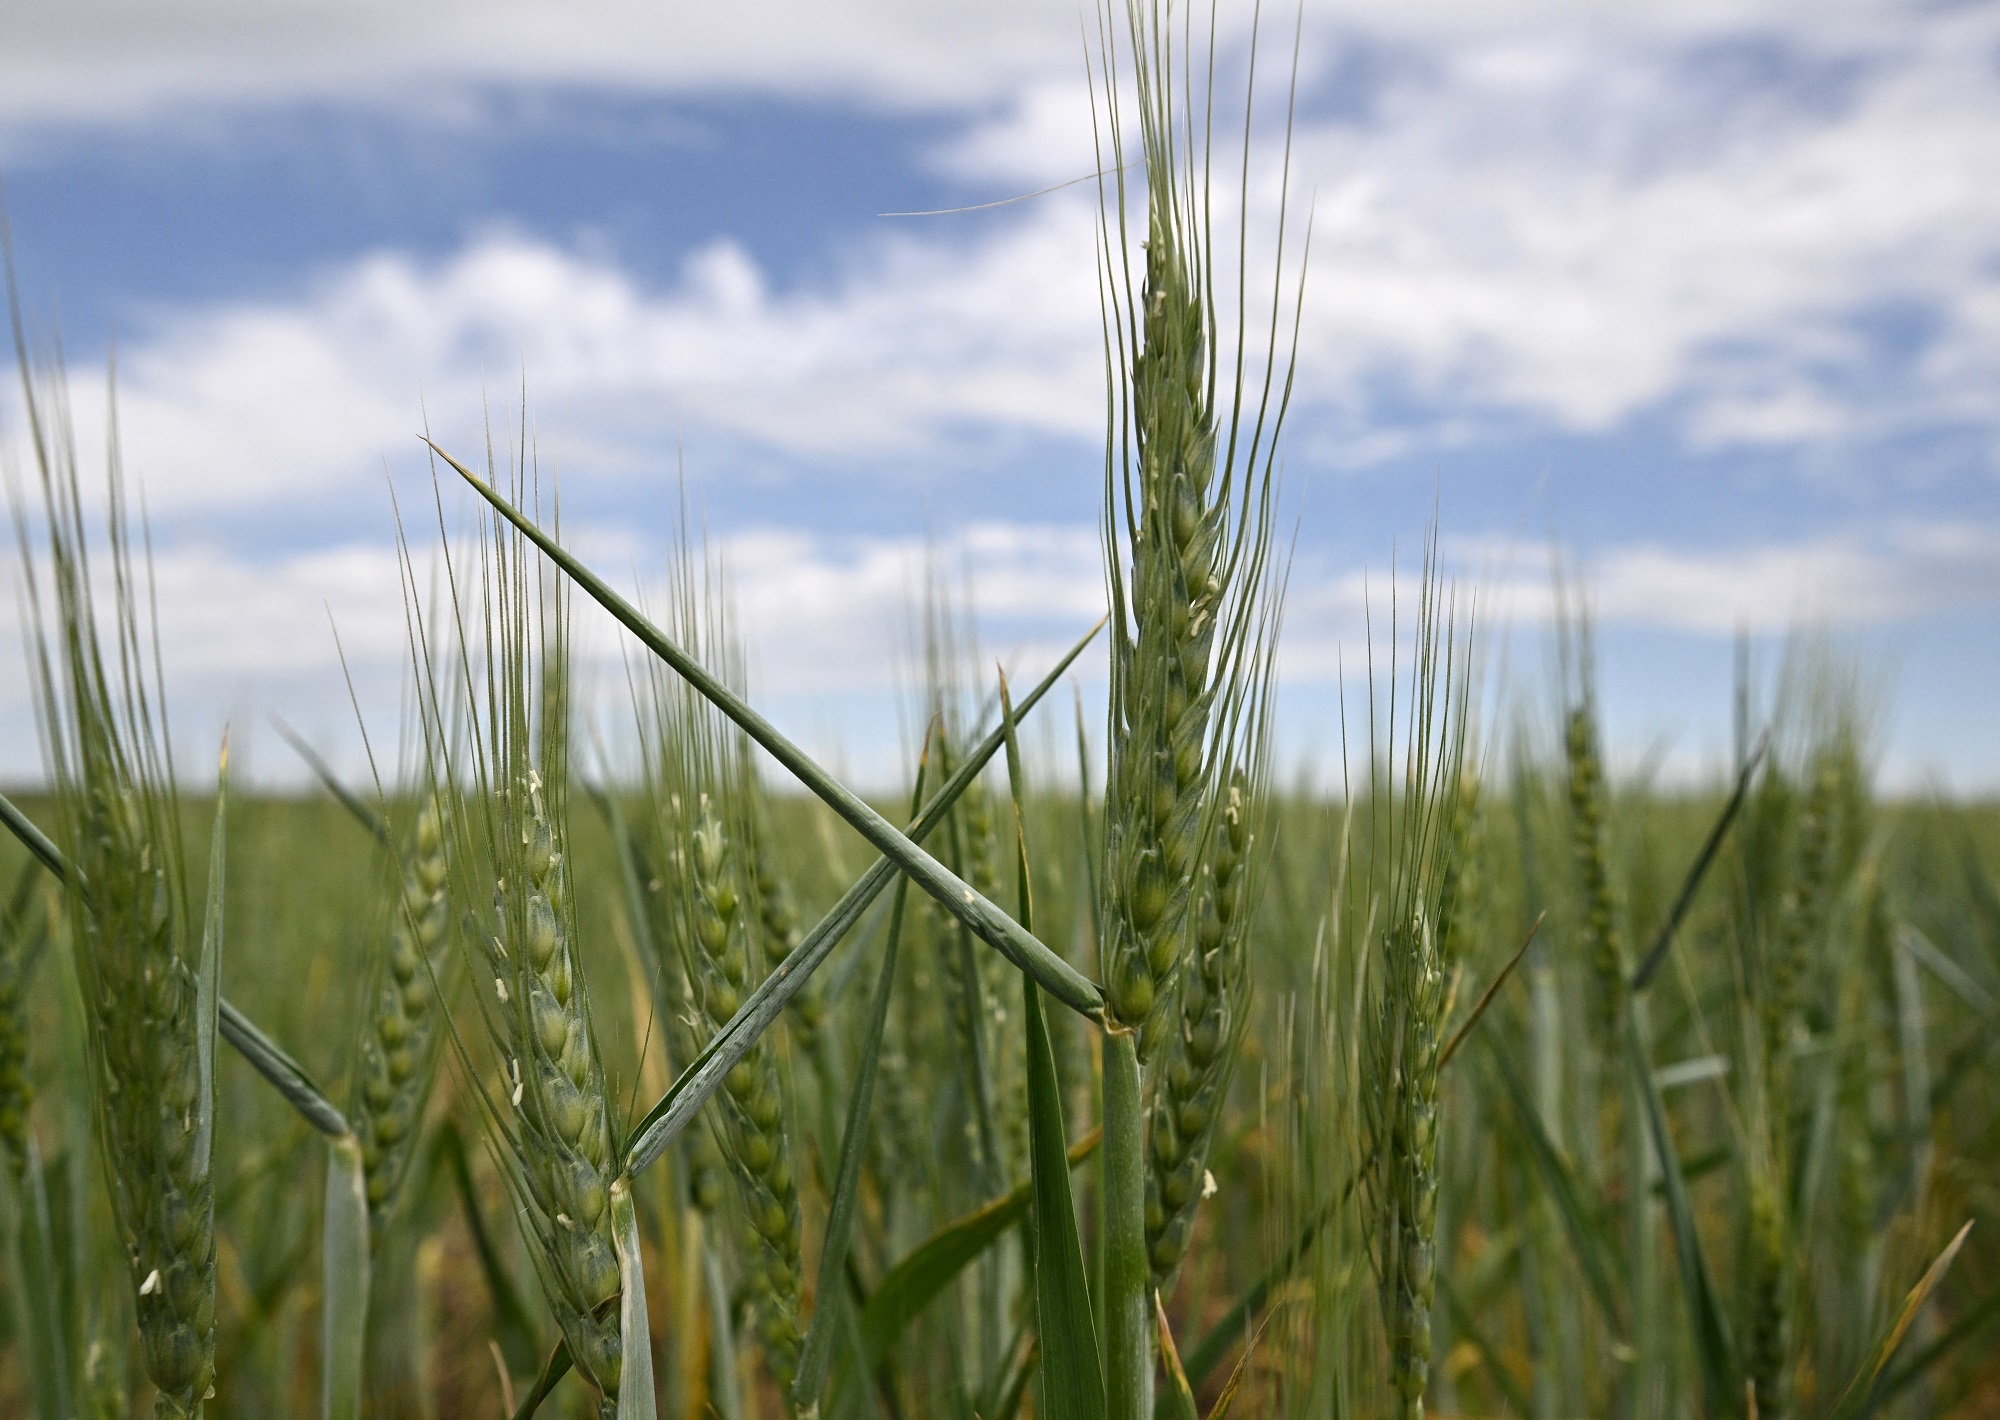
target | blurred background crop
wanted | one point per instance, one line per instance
(1707, 296)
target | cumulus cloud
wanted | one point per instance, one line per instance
(1773, 245)
(821, 617)
(1581, 242)
(120, 59)
(1900, 572)
(269, 402)
(830, 617)
(1779, 234)
(116, 60)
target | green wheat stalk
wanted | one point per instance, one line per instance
(146, 960)
(502, 791)
(1188, 504)
(725, 932)
(1418, 814)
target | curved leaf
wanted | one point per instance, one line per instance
(1859, 1396)
(931, 1266)
(1713, 1346)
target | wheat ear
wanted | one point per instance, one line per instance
(1406, 1060)
(146, 966)
(17, 954)
(559, 1090)
(1588, 795)
(502, 783)
(1422, 807)
(749, 1109)
(701, 768)
(1165, 628)
(1188, 1097)
(397, 1055)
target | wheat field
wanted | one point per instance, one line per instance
(608, 1055)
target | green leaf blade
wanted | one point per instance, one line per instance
(280, 1071)
(636, 1400)
(208, 973)
(553, 1370)
(820, 1335)
(985, 920)
(911, 1285)
(1706, 1317)
(1072, 1366)
(344, 1294)
(1580, 1222)
(651, 1136)
(1859, 1398)
(38, 1322)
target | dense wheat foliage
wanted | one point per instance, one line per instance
(1892, 1131)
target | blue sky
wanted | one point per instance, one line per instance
(1711, 299)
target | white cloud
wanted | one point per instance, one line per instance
(117, 60)
(120, 59)
(269, 402)
(1564, 241)
(1538, 212)
(836, 614)
(1576, 223)
(1536, 229)
(831, 621)
(821, 617)
(1894, 574)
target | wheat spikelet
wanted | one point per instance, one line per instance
(1802, 910)
(778, 922)
(725, 934)
(564, 1135)
(1588, 798)
(557, 1149)
(1195, 1064)
(972, 980)
(979, 860)
(1408, 1036)
(395, 1063)
(1768, 1347)
(749, 1110)
(1464, 883)
(1006, 1066)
